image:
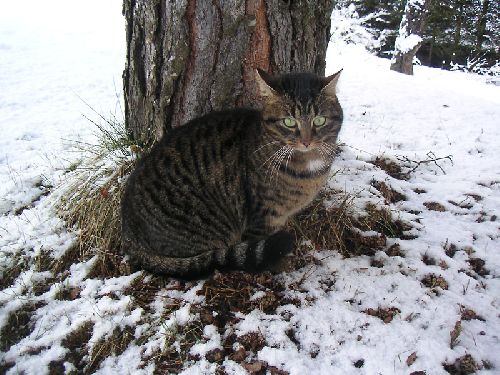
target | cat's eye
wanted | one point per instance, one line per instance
(319, 121)
(290, 122)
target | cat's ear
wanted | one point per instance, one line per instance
(330, 84)
(263, 83)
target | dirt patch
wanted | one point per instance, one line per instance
(469, 314)
(435, 206)
(385, 314)
(390, 195)
(394, 251)
(109, 264)
(12, 272)
(178, 343)
(235, 292)
(391, 167)
(463, 204)
(252, 341)
(450, 249)
(6, 366)
(77, 344)
(113, 345)
(19, 325)
(477, 266)
(144, 288)
(428, 260)
(462, 366)
(434, 281)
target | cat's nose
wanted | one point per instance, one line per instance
(306, 143)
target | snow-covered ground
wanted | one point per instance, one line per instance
(390, 313)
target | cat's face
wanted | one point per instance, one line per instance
(301, 110)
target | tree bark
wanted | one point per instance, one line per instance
(459, 14)
(189, 57)
(481, 25)
(409, 40)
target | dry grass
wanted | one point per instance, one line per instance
(90, 200)
(19, 325)
(91, 204)
(326, 227)
(335, 226)
(115, 345)
(175, 353)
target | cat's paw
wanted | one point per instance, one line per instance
(276, 247)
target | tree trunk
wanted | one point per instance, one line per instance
(189, 57)
(459, 14)
(481, 25)
(409, 39)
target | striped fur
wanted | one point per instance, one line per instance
(215, 192)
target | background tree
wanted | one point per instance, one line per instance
(188, 57)
(458, 34)
(409, 39)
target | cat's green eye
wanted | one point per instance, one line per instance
(290, 122)
(319, 121)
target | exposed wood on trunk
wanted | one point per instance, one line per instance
(189, 57)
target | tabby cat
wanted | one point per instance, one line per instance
(216, 192)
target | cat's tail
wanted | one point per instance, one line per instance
(257, 255)
(249, 256)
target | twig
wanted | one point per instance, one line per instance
(431, 158)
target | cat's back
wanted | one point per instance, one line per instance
(211, 136)
(212, 126)
(192, 164)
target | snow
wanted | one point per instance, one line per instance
(405, 44)
(46, 66)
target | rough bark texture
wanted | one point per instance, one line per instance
(413, 23)
(188, 57)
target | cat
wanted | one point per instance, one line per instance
(216, 192)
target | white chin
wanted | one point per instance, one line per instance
(303, 148)
(315, 165)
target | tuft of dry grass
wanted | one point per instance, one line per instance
(336, 227)
(91, 203)
(326, 227)
(90, 199)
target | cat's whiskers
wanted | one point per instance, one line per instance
(283, 157)
(274, 168)
(271, 160)
(273, 155)
(322, 153)
(289, 157)
(327, 152)
(267, 144)
(331, 150)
